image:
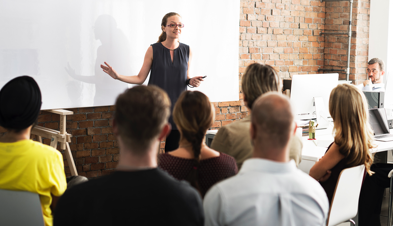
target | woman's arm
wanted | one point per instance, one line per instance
(321, 170)
(136, 79)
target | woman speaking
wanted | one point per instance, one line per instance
(168, 61)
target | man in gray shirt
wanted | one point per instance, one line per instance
(269, 189)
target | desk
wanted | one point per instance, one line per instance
(312, 151)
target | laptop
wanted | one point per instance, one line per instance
(379, 123)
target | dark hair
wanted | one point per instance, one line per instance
(193, 115)
(257, 80)
(164, 21)
(140, 114)
(377, 60)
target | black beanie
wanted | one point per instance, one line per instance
(20, 103)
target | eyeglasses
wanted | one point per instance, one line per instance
(373, 71)
(175, 25)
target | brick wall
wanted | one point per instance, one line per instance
(336, 46)
(282, 33)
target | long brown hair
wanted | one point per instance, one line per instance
(353, 133)
(164, 22)
(193, 115)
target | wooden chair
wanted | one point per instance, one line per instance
(20, 208)
(345, 200)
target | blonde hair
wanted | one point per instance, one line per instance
(353, 133)
(164, 21)
(257, 80)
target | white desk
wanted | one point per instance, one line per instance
(312, 152)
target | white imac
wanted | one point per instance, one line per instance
(309, 89)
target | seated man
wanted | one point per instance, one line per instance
(138, 193)
(26, 165)
(269, 189)
(375, 74)
(234, 139)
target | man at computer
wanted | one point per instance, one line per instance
(375, 74)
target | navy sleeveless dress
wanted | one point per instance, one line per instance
(170, 75)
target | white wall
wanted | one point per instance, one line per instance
(380, 42)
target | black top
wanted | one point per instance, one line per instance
(144, 197)
(330, 184)
(210, 171)
(168, 75)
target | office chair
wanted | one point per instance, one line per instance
(346, 196)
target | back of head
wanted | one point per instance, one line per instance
(353, 133)
(20, 103)
(193, 115)
(140, 114)
(257, 80)
(273, 120)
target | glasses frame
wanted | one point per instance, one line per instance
(174, 25)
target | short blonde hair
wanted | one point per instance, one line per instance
(353, 133)
(257, 80)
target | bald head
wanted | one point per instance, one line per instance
(272, 120)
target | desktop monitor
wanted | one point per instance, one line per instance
(307, 88)
(375, 99)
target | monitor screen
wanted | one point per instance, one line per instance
(378, 121)
(305, 87)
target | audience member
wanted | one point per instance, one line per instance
(137, 193)
(26, 165)
(194, 161)
(234, 139)
(269, 189)
(352, 140)
(375, 73)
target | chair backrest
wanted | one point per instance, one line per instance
(20, 208)
(346, 195)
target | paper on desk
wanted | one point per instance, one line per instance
(385, 139)
(322, 143)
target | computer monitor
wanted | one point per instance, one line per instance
(375, 99)
(306, 88)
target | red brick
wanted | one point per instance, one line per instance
(86, 124)
(101, 109)
(79, 117)
(92, 131)
(91, 145)
(110, 165)
(100, 123)
(97, 166)
(94, 116)
(112, 151)
(97, 152)
(86, 110)
(78, 132)
(89, 160)
(106, 158)
(106, 144)
(80, 154)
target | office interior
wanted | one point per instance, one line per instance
(296, 37)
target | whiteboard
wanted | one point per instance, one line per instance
(62, 44)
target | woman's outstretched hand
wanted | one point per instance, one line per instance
(109, 70)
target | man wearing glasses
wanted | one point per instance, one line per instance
(375, 74)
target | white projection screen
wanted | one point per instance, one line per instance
(61, 43)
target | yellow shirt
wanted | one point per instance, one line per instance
(31, 166)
